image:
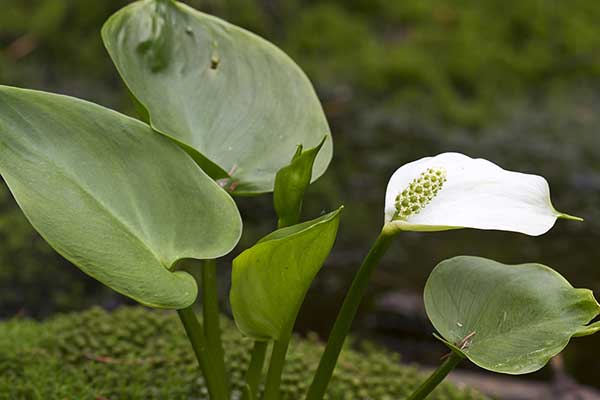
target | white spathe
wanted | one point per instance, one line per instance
(477, 194)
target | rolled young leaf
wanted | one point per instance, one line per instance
(290, 184)
(506, 318)
(451, 191)
(118, 200)
(233, 100)
(270, 279)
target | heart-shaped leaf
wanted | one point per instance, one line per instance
(506, 318)
(290, 184)
(270, 279)
(233, 100)
(120, 201)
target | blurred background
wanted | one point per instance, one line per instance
(513, 81)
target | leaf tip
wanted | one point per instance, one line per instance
(588, 330)
(570, 217)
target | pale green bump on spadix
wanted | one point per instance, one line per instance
(453, 191)
(419, 193)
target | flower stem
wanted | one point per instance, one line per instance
(436, 377)
(273, 382)
(195, 334)
(255, 368)
(212, 327)
(346, 315)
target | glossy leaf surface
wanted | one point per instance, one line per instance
(235, 101)
(270, 279)
(118, 200)
(506, 318)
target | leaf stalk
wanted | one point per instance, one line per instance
(195, 334)
(437, 376)
(212, 324)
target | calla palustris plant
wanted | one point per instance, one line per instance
(119, 201)
(270, 279)
(127, 200)
(448, 191)
(244, 120)
(510, 319)
(290, 184)
(452, 191)
(516, 317)
(234, 101)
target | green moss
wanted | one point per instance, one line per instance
(134, 353)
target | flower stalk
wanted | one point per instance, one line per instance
(346, 315)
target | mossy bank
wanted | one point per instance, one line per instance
(135, 353)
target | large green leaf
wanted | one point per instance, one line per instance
(235, 101)
(120, 201)
(270, 279)
(506, 318)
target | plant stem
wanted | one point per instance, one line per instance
(273, 382)
(212, 325)
(436, 377)
(255, 368)
(346, 315)
(280, 346)
(195, 334)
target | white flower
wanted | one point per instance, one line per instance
(452, 191)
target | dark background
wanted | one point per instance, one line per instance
(513, 81)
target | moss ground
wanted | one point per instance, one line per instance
(135, 353)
